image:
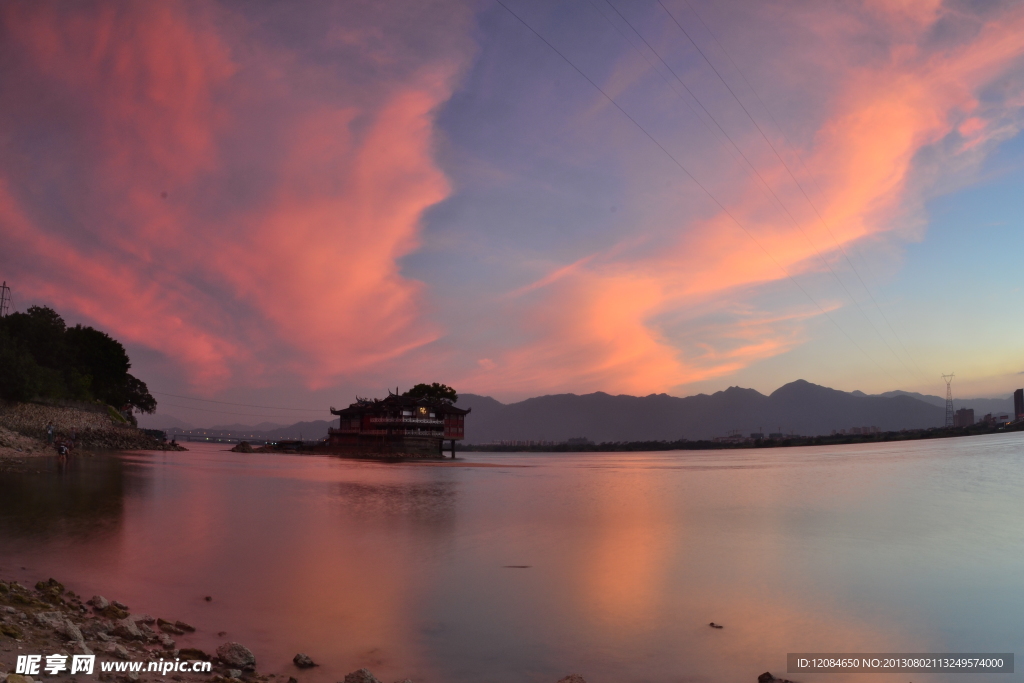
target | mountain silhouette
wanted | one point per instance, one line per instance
(799, 407)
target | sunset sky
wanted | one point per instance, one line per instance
(288, 205)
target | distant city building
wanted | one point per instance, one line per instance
(776, 435)
(963, 417)
(579, 441)
(397, 425)
(757, 435)
(996, 419)
(1018, 403)
(864, 430)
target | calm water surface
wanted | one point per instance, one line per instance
(410, 569)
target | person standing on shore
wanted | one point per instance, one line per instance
(49, 432)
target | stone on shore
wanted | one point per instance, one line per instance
(303, 661)
(112, 611)
(18, 678)
(193, 653)
(361, 676)
(51, 591)
(236, 655)
(169, 627)
(185, 627)
(71, 632)
(243, 447)
(50, 620)
(99, 602)
(126, 628)
(11, 630)
(767, 677)
(94, 629)
(118, 650)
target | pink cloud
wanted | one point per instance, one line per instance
(296, 184)
(214, 204)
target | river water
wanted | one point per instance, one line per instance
(531, 566)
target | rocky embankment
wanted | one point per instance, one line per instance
(51, 620)
(15, 444)
(88, 429)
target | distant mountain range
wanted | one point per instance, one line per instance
(981, 406)
(796, 408)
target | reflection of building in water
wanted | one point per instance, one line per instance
(397, 425)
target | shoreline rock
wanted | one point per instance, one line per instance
(23, 431)
(51, 619)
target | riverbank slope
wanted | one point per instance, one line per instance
(23, 430)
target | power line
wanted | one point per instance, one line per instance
(244, 405)
(696, 182)
(813, 180)
(668, 82)
(800, 186)
(211, 410)
(753, 168)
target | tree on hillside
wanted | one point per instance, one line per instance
(436, 390)
(20, 375)
(41, 358)
(137, 395)
(103, 360)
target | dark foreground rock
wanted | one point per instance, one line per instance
(303, 661)
(767, 677)
(361, 676)
(237, 656)
(52, 619)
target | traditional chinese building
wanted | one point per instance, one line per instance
(397, 426)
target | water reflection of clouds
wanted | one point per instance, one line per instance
(430, 503)
(81, 499)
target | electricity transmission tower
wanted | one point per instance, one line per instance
(5, 299)
(949, 398)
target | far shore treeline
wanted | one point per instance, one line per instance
(41, 358)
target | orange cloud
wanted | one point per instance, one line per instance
(238, 196)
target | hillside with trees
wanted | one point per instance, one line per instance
(42, 359)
